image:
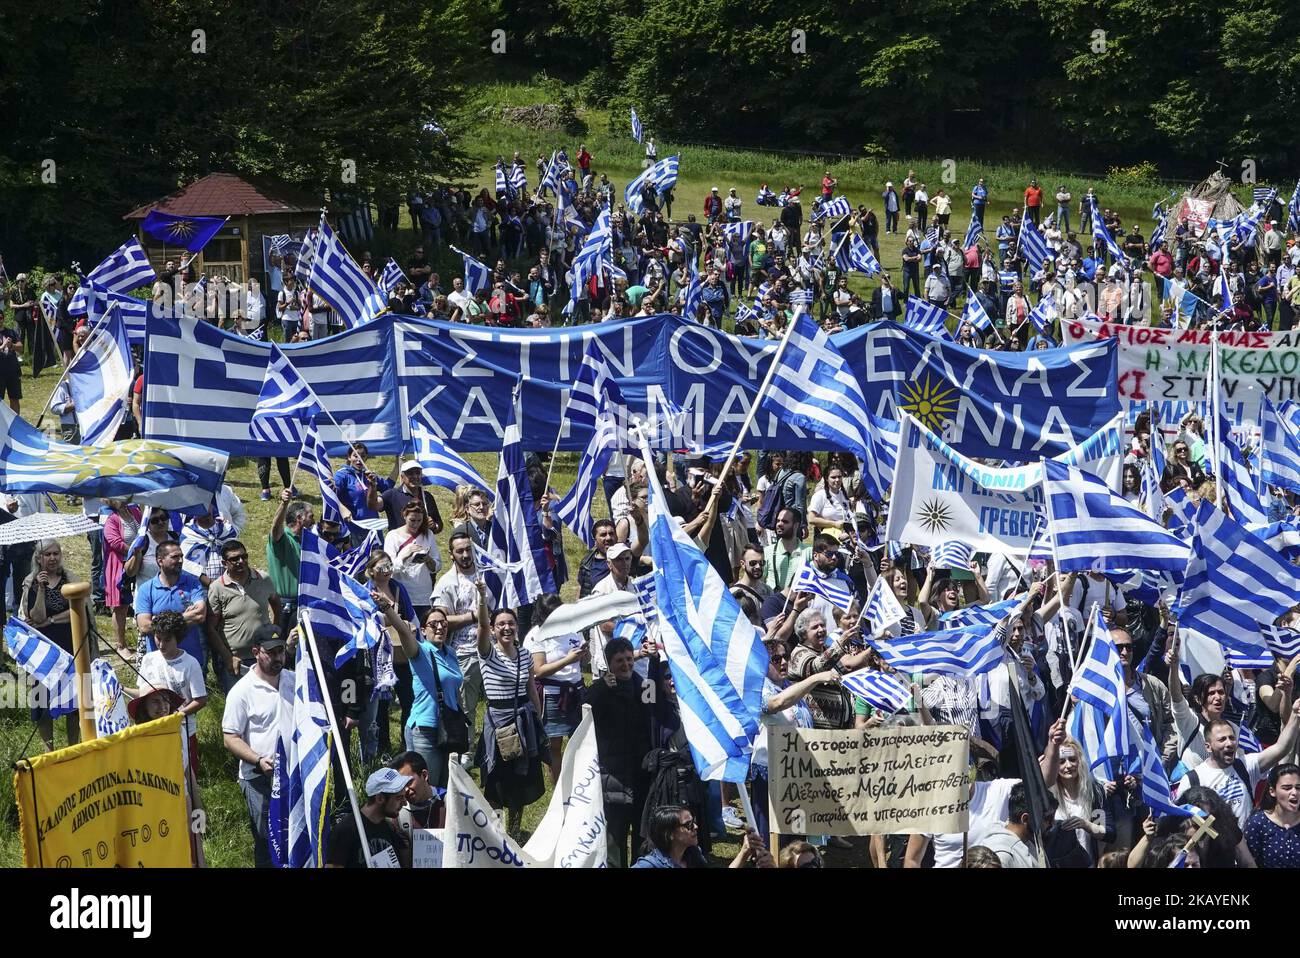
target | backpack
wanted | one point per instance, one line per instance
(1238, 766)
(773, 500)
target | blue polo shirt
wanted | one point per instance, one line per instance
(154, 597)
(351, 487)
(424, 709)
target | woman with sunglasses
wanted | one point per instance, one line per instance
(801, 855)
(674, 842)
(1181, 465)
(436, 682)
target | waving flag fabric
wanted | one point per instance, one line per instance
(1280, 448)
(663, 175)
(125, 269)
(575, 508)
(440, 464)
(390, 276)
(100, 380)
(880, 690)
(1099, 681)
(338, 280)
(298, 818)
(636, 126)
(976, 315)
(315, 462)
(926, 317)
(286, 403)
(883, 610)
(340, 607)
(190, 232)
(45, 662)
(960, 653)
(835, 589)
(477, 275)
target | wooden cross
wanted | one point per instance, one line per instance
(1205, 827)
(1221, 165)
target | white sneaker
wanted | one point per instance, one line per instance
(731, 818)
(465, 759)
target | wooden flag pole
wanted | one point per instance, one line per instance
(75, 593)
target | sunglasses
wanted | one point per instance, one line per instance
(692, 825)
(779, 658)
(811, 863)
(157, 520)
(1123, 648)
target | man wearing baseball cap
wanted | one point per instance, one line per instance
(409, 489)
(385, 795)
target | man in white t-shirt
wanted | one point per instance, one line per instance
(619, 556)
(257, 706)
(456, 592)
(1232, 775)
(458, 298)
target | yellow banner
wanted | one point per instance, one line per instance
(112, 802)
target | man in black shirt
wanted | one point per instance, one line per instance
(410, 489)
(386, 794)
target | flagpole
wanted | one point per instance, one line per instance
(1076, 659)
(72, 362)
(314, 652)
(1056, 571)
(753, 409)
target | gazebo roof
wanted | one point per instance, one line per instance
(225, 194)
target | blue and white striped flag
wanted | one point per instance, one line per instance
(1293, 210)
(1093, 529)
(926, 317)
(100, 379)
(1282, 642)
(1031, 245)
(978, 615)
(338, 280)
(835, 589)
(1183, 510)
(502, 185)
(741, 231)
(1099, 681)
(593, 387)
(880, 690)
(854, 254)
(1235, 478)
(45, 662)
(663, 175)
(306, 256)
(298, 818)
(953, 554)
(286, 404)
(313, 460)
(550, 176)
(1247, 739)
(518, 177)
(973, 233)
(487, 562)
(960, 653)
(814, 389)
(1043, 314)
(1260, 658)
(882, 444)
(111, 715)
(1150, 495)
(636, 126)
(1280, 448)
(440, 464)
(1248, 224)
(883, 609)
(1157, 793)
(930, 239)
(644, 587)
(1259, 194)
(478, 276)
(340, 606)
(976, 315)
(135, 312)
(716, 654)
(353, 561)
(1235, 582)
(574, 509)
(390, 276)
(596, 252)
(1102, 235)
(835, 209)
(125, 269)
(516, 535)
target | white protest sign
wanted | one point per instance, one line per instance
(901, 780)
(426, 848)
(473, 837)
(572, 833)
(385, 859)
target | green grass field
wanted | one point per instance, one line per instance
(228, 843)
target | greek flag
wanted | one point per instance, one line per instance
(1293, 210)
(1280, 448)
(306, 256)
(636, 126)
(596, 251)
(111, 715)
(125, 269)
(592, 388)
(1099, 681)
(1282, 642)
(353, 561)
(960, 653)
(286, 404)
(694, 293)
(953, 554)
(135, 312)
(516, 535)
(279, 242)
(1044, 314)
(856, 255)
(338, 280)
(880, 690)
(930, 239)
(1246, 738)
(644, 587)
(662, 175)
(1234, 476)
(836, 208)
(1157, 438)
(487, 562)
(298, 818)
(518, 177)
(440, 464)
(503, 187)
(478, 276)
(1184, 510)
(1158, 234)
(741, 231)
(551, 177)
(390, 276)
(1102, 235)
(834, 589)
(882, 610)
(814, 389)
(1149, 493)
(1093, 529)
(100, 379)
(340, 606)
(1235, 583)
(882, 444)
(574, 510)
(716, 654)
(1261, 658)
(45, 662)
(976, 315)
(926, 317)
(978, 615)
(1157, 793)
(169, 474)
(1248, 225)
(973, 233)
(314, 461)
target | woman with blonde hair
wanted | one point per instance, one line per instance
(42, 606)
(1085, 806)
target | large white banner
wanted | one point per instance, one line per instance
(940, 494)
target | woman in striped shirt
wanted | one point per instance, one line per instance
(511, 702)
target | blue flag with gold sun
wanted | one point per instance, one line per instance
(191, 232)
(170, 475)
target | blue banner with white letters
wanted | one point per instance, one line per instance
(201, 384)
